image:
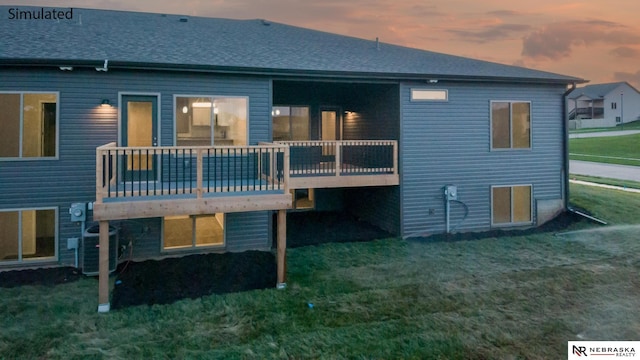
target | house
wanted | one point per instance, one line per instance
(187, 134)
(603, 105)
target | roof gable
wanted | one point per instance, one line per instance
(147, 40)
(599, 91)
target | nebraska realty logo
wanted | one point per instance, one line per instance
(603, 349)
(40, 14)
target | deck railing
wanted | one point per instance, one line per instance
(129, 173)
(342, 158)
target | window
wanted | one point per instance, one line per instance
(429, 95)
(28, 235)
(29, 125)
(290, 123)
(614, 106)
(511, 204)
(191, 231)
(210, 120)
(510, 125)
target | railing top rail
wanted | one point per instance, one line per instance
(342, 142)
(111, 146)
(107, 146)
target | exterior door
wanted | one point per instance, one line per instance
(330, 128)
(139, 129)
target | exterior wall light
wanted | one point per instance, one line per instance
(105, 103)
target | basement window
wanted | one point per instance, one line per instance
(193, 231)
(511, 205)
(429, 95)
(28, 235)
(29, 125)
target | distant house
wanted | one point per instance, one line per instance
(603, 105)
(186, 134)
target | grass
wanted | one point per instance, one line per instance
(510, 297)
(622, 150)
(634, 125)
(607, 181)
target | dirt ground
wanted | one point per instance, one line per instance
(166, 281)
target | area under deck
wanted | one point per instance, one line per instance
(146, 182)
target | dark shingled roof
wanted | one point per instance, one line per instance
(158, 41)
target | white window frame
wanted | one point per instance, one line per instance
(511, 148)
(20, 260)
(511, 223)
(212, 97)
(48, 158)
(415, 91)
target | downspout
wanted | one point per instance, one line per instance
(565, 144)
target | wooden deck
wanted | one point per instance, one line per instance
(348, 163)
(137, 182)
(144, 182)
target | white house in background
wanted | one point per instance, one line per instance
(603, 105)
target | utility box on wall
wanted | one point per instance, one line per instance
(91, 250)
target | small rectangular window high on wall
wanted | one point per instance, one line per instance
(30, 125)
(511, 205)
(510, 125)
(429, 95)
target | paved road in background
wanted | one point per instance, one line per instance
(612, 171)
(603, 134)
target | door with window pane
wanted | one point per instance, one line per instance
(139, 129)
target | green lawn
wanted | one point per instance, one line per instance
(623, 150)
(607, 181)
(634, 125)
(495, 298)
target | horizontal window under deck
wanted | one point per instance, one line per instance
(135, 182)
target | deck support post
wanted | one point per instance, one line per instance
(282, 250)
(103, 269)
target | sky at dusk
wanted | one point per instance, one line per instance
(595, 40)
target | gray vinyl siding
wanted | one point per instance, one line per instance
(247, 231)
(83, 126)
(449, 143)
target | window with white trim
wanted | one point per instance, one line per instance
(510, 125)
(28, 235)
(511, 205)
(29, 125)
(429, 95)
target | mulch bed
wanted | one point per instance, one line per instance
(168, 280)
(45, 276)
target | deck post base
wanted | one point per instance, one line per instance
(104, 308)
(281, 286)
